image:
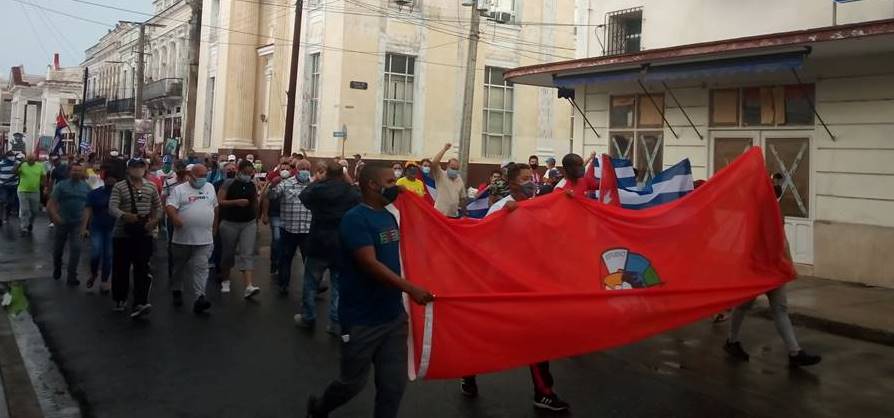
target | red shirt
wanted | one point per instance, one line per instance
(581, 187)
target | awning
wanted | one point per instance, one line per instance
(698, 70)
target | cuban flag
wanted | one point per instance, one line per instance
(57, 137)
(623, 171)
(608, 183)
(668, 185)
(477, 208)
(431, 191)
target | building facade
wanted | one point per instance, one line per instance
(388, 76)
(32, 103)
(111, 90)
(811, 83)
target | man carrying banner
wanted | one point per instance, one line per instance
(521, 188)
(371, 310)
(576, 182)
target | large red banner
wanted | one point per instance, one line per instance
(562, 276)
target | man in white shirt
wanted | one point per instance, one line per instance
(192, 209)
(450, 186)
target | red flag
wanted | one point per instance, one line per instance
(608, 183)
(619, 276)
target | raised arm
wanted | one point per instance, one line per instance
(436, 161)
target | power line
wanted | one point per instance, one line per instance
(63, 41)
(34, 29)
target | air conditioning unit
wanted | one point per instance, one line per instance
(403, 2)
(500, 17)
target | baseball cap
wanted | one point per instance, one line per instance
(133, 162)
(409, 164)
(231, 157)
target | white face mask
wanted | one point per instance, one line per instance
(285, 174)
(398, 173)
(114, 153)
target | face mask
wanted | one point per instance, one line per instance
(390, 193)
(398, 173)
(10, 158)
(231, 175)
(344, 170)
(412, 172)
(452, 173)
(426, 170)
(245, 178)
(64, 162)
(199, 182)
(114, 153)
(285, 174)
(529, 189)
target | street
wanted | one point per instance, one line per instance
(248, 359)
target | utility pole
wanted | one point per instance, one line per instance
(192, 78)
(83, 112)
(293, 80)
(465, 132)
(138, 97)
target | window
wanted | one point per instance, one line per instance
(5, 112)
(765, 106)
(623, 29)
(397, 115)
(496, 138)
(313, 103)
(636, 132)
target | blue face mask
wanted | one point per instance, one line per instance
(304, 176)
(452, 173)
(199, 182)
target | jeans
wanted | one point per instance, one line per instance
(383, 347)
(275, 242)
(101, 253)
(313, 274)
(289, 244)
(131, 252)
(67, 233)
(9, 201)
(779, 306)
(190, 264)
(29, 207)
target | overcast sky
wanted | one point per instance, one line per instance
(55, 32)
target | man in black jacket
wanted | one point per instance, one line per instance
(328, 200)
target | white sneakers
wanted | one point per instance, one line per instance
(251, 290)
(225, 286)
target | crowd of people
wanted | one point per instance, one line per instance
(207, 212)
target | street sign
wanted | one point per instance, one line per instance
(359, 85)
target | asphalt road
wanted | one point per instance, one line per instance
(246, 359)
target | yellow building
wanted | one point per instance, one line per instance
(389, 73)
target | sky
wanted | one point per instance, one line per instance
(30, 35)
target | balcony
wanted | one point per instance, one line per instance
(120, 106)
(166, 88)
(91, 105)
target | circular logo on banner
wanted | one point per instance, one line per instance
(628, 270)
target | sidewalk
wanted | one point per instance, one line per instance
(847, 309)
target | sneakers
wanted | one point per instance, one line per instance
(225, 286)
(303, 323)
(201, 305)
(312, 406)
(120, 306)
(104, 288)
(469, 387)
(334, 329)
(735, 350)
(177, 298)
(250, 291)
(141, 310)
(91, 281)
(803, 359)
(50, 225)
(550, 402)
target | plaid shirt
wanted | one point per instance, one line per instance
(295, 217)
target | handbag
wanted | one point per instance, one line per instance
(138, 228)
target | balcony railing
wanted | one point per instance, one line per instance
(92, 104)
(120, 106)
(164, 88)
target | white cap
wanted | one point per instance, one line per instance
(189, 167)
(231, 157)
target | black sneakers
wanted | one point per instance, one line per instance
(201, 305)
(312, 406)
(803, 359)
(550, 402)
(735, 350)
(469, 387)
(177, 298)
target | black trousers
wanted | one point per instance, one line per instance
(289, 243)
(132, 252)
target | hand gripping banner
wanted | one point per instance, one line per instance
(563, 276)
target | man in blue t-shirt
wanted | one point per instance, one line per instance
(66, 209)
(370, 309)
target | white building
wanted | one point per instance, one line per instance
(34, 102)
(808, 81)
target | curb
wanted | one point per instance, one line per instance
(20, 396)
(830, 326)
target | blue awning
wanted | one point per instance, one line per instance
(689, 71)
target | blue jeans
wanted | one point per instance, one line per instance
(313, 274)
(275, 242)
(101, 253)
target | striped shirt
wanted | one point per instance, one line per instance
(145, 196)
(295, 217)
(8, 175)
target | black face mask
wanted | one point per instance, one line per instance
(390, 193)
(231, 175)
